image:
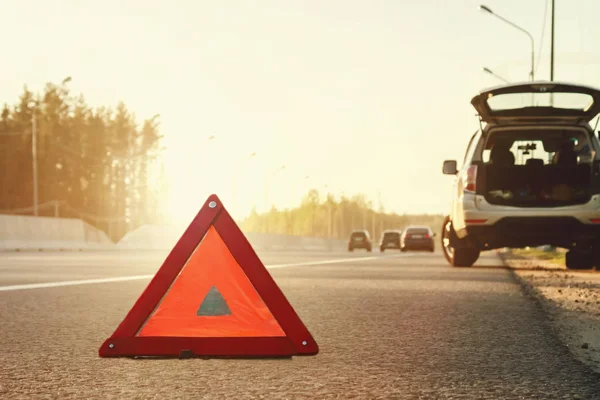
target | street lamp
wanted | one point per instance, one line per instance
(34, 154)
(489, 11)
(33, 105)
(325, 188)
(329, 215)
(489, 71)
(306, 178)
(34, 157)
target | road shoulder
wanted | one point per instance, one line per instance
(570, 299)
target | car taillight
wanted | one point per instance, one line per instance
(475, 221)
(470, 181)
(407, 236)
(427, 236)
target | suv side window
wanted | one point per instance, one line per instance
(471, 148)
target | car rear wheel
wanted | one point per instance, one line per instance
(381, 249)
(579, 260)
(463, 256)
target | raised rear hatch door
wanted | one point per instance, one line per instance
(538, 101)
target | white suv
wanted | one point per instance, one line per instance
(530, 176)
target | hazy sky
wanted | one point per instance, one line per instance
(362, 96)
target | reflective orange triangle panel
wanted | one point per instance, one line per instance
(212, 266)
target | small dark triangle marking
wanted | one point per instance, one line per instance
(213, 305)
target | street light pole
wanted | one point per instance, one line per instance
(373, 222)
(312, 210)
(329, 212)
(329, 219)
(552, 45)
(489, 11)
(34, 151)
(34, 157)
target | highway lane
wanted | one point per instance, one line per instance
(396, 326)
(18, 268)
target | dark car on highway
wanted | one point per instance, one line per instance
(360, 240)
(390, 240)
(417, 238)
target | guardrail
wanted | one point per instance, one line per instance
(163, 237)
(45, 233)
(265, 241)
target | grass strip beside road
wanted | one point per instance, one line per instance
(553, 256)
(533, 258)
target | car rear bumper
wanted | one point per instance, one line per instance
(359, 245)
(504, 226)
(567, 232)
(476, 209)
(424, 244)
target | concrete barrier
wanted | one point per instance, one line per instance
(152, 237)
(164, 237)
(45, 233)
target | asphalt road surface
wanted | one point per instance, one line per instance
(400, 326)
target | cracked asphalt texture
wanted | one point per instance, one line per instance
(402, 326)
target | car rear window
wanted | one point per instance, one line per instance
(418, 231)
(391, 235)
(541, 145)
(358, 235)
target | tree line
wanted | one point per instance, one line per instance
(334, 218)
(100, 165)
(97, 164)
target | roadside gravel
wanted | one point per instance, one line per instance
(570, 298)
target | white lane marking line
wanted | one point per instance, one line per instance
(72, 283)
(333, 261)
(140, 277)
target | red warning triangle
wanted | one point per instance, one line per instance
(211, 297)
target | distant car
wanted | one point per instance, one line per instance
(390, 240)
(417, 238)
(360, 240)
